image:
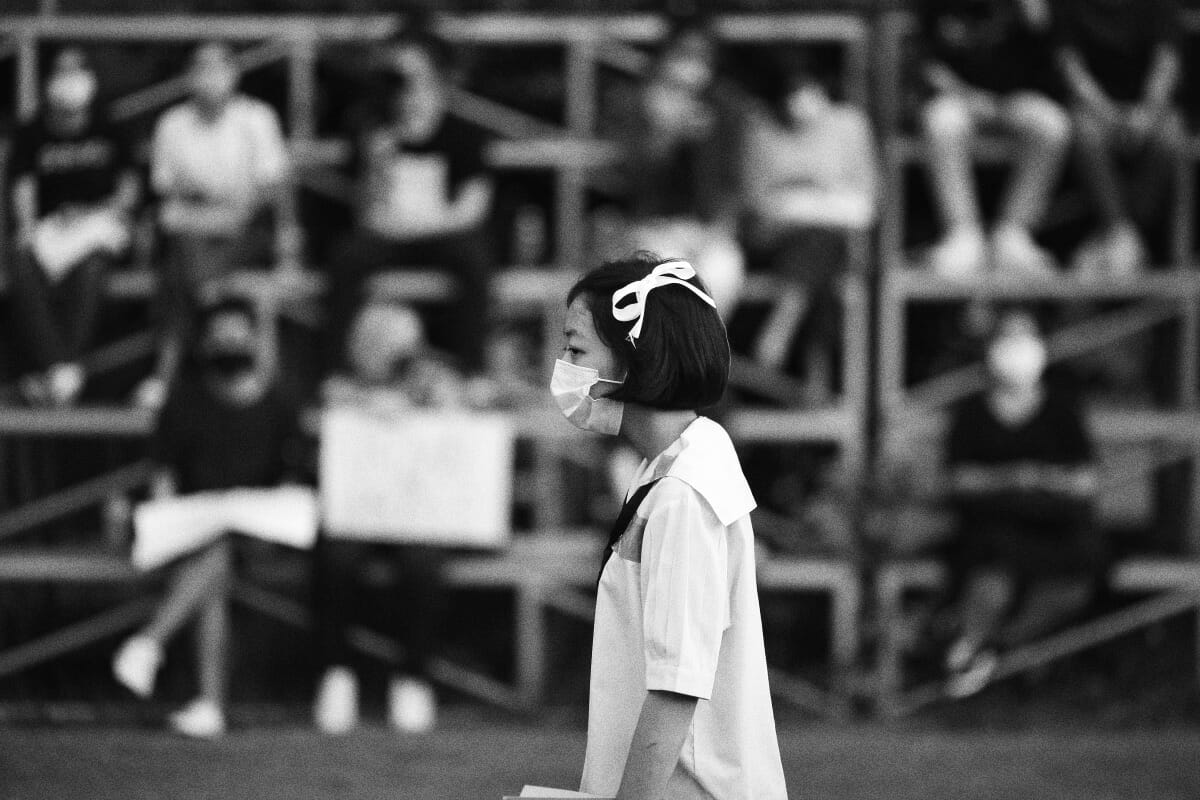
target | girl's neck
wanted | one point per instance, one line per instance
(651, 431)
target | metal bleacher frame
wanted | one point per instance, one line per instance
(542, 574)
(913, 417)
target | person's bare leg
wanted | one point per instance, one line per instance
(986, 598)
(193, 584)
(949, 130)
(212, 631)
(1043, 139)
(1153, 179)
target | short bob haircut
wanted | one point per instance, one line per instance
(681, 359)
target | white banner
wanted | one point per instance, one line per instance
(417, 476)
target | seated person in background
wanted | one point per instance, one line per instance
(680, 168)
(1121, 62)
(425, 195)
(218, 163)
(811, 175)
(74, 187)
(395, 588)
(225, 425)
(1022, 477)
(986, 64)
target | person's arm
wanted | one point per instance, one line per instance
(471, 204)
(657, 741)
(25, 209)
(1161, 85)
(1084, 88)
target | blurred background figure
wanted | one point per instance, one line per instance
(225, 425)
(393, 588)
(681, 162)
(217, 165)
(988, 66)
(425, 199)
(74, 188)
(1022, 477)
(811, 182)
(1122, 65)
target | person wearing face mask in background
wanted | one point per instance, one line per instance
(811, 180)
(227, 425)
(679, 704)
(74, 188)
(218, 162)
(1023, 478)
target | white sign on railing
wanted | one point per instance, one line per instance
(417, 476)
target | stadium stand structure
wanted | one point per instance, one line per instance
(912, 417)
(549, 569)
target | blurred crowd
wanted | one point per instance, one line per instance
(770, 173)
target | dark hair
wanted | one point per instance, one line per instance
(419, 32)
(681, 359)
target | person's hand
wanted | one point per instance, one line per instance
(1139, 122)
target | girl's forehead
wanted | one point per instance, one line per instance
(579, 319)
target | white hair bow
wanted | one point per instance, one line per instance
(665, 274)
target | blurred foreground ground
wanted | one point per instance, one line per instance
(474, 756)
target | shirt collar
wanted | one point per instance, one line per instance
(703, 457)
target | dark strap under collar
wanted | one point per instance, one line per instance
(623, 519)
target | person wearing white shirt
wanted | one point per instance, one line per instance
(218, 162)
(679, 703)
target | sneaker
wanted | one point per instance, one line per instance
(976, 675)
(136, 665)
(1126, 252)
(1117, 253)
(199, 719)
(35, 389)
(1014, 251)
(65, 382)
(961, 254)
(412, 706)
(151, 394)
(335, 710)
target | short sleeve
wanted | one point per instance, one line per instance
(162, 172)
(465, 147)
(685, 590)
(22, 158)
(961, 445)
(1075, 441)
(271, 158)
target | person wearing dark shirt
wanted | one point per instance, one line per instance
(74, 187)
(1121, 62)
(1022, 479)
(425, 197)
(226, 425)
(984, 67)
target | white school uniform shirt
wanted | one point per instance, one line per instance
(677, 610)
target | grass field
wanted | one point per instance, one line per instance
(472, 756)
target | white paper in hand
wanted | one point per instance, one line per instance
(60, 245)
(164, 530)
(547, 792)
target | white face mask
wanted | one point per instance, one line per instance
(571, 387)
(71, 91)
(1018, 360)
